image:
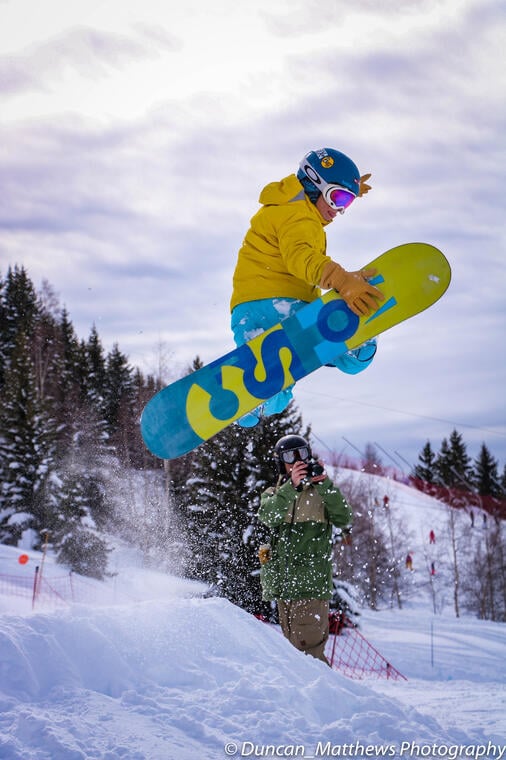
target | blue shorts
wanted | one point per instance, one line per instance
(254, 317)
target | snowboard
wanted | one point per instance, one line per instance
(193, 409)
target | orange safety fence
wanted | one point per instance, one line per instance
(60, 590)
(349, 652)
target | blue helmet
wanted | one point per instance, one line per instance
(321, 170)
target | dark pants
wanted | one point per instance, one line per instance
(305, 623)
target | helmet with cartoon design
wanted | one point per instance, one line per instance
(323, 169)
(295, 444)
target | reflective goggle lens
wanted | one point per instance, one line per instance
(292, 454)
(341, 198)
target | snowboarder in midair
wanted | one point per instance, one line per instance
(283, 260)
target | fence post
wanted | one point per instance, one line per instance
(35, 584)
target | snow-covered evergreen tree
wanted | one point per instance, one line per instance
(119, 403)
(95, 371)
(45, 415)
(118, 386)
(27, 448)
(73, 528)
(18, 311)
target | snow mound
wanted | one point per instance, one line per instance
(181, 679)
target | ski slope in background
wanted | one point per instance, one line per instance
(165, 674)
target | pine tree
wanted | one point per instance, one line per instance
(131, 448)
(461, 460)
(72, 369)
(85, 552)
(3, 333)
(120, 403)
(211, 500)
(485, 474)
(18, 311)
(73, 529)
(95, 371)
(442, 467)
(46, 351)
(453, 463)
(118, 387)
(19, 305)
(426, 470)
(27, 447)
(54, 446)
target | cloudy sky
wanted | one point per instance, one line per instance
(135, 138)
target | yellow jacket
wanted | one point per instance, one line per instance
(284, 251)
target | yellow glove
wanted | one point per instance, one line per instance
(353, 287)
(363, 187)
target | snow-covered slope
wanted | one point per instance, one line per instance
(171, 676)
(188, 678)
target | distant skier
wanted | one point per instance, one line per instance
(432, 537)
(283, 261)
(409, 562)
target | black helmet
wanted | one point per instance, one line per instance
(290, 448)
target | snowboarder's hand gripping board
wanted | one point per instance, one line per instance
(190, 411)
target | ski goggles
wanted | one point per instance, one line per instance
(335, 195)
(338, 197)
(291, 455)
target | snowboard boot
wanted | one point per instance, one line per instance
(251, 419)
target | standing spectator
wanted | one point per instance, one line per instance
(296, 568)
(409, 562)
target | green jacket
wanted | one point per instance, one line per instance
(300, 565)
